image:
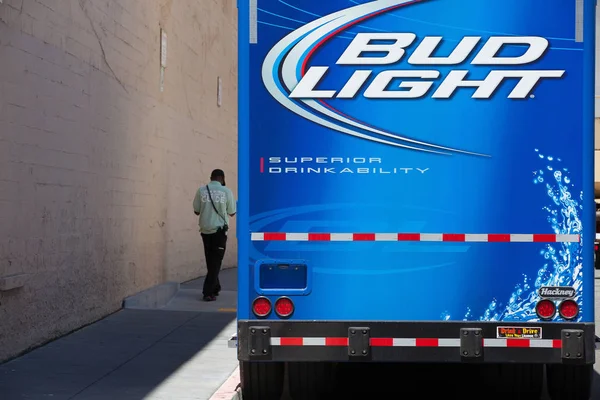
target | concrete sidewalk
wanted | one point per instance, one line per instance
(177, 352)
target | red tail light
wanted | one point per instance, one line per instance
(568, 309)
(546, 309)
(261, 307)
(284, 307)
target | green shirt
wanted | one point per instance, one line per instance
(222, 197)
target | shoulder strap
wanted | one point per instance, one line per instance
(213, 204)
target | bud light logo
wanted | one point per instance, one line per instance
(371, 60)
(421, 81)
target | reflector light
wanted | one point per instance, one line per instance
(261, 307)
(546, 309)
(568, 309)
(284, 307)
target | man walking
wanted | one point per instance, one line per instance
(214, 204)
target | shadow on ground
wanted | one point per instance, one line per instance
(133, 355)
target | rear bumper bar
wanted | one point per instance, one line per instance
(376, 341)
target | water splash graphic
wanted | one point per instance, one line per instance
(562, 261)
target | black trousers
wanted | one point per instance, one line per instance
(214, 251)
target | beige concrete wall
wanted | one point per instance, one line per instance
(98, 167)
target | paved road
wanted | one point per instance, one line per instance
(176, 353)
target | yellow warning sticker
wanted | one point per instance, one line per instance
(519, 332)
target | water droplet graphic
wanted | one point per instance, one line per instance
(467, 315)
(563, 261)
(558, 176)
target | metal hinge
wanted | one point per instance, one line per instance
(573, 344)
(471, 343)
(259, 342)
(253, 11)
(579, 16)
(359, 341)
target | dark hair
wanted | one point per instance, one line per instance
(217, 173)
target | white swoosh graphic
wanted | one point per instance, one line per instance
(304, 38)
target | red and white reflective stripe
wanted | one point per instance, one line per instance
(309, 341)
(529, 343)
(415, 342)
(410, 342)
(413, 237)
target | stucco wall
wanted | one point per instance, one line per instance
(98, 167)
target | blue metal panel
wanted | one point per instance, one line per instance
(243, 234)
(429, 165)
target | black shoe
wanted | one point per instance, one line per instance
(210, 298)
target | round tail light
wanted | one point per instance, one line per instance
(261, 307)
(546, 309)
(568, 309)
(284, 307)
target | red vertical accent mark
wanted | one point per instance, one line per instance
(421, 342)
(262, 165)
(291, 341)
(319, 237)
(497, 238)
(517, 342)
(544, 238)
(335, 341)
(382, 342)
(275, 237)
(557, 344)
(363, 237)
(409, 237)
(451, 237)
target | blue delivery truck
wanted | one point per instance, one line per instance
(416, 186)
